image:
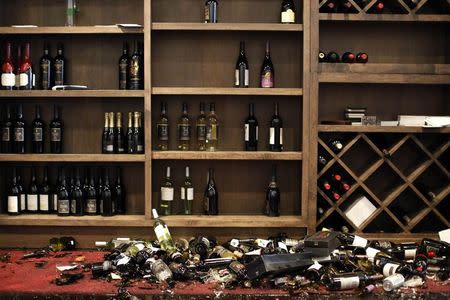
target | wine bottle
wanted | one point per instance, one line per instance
(77, 199)
(167, 194)
(276, 131)
(348, 57)
(46, 69)
(100, 191)
(267, 70)
(131, 147)
(211, 202)
(8, 79)
(162, 234)
(345, 6)
(330, 6)
(378, 7)
(33, 194)
(322, 56)
(162, 128)
(273, 196)
(91, 204)
(332, 57)
(13, 196)
(56, 131)
(44, 194)
(136, 72)
(325, 185)
(18, 65)
(138, 133)
(346, 281)
(119, 194)
(362, 58)
(393, 282)
(63, 197)
(105, 133)
(22, 193)
(110, 137)
(287, 12)
(212, 129)
(187, 194)
(59, 66)
(201, 128)
(321, 161)
(211, 7)
(26, 77)
(251, 130)
(335, 145)
(38, 130)
(106, 202)
(242, 71)
(7, 131)
(184, 130)
(120, 138)
(124, 68)
(54, 194)
(344, 186)
(19, 131)
(353, 240)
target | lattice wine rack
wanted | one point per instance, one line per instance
(406, 176)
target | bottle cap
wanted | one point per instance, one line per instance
(155, 213)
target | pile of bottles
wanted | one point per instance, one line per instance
(117, 141)
(277, 262)
(348, 57)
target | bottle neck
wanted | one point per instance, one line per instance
(242, 49)
(168, 172)
(185, 112)
(211, 175)
(276, 109)
(8, 52)
(187, 172)
(119, 176)
(26, 54)
(136, 120)
(56, 112)
(125, 48)
(130, 120)
(163, 108)
(212, 108)
(106, 120)
(119, 120)
(267, 50)
(252, 109)
(202, 108)
(19, 112)
(111, 120)
(38, 112)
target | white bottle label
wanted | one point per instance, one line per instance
(183, 190)
(166, 194)
(315, 266)
(23, 79)
(32, 201)
(410, 253)
(23, 201)
(17, 81)
(272, 136)
(91, 206)
(246, 77)
(161, 232)
(43, 202)
(288, 16)
(247, 132)
(359, 242)
(281, 136)
(246, 80)
(390, 269)
(371, 252)
(64, 206)
(8, 79)
(13, 204)
(348, 283)
(55, 201)
(257, 133)
(190, 194)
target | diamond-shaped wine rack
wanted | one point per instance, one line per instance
(360, 8)
(390, 162)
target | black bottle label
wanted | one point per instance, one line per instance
(91, 206)
(59, 77)
(123, 67)
(19, 134)
(37, 135)
(63, 206)
(73, 206)
(6, 137)
(45, 72)
(184, 132)
(163, 132)
(55, 135)
(201, 132)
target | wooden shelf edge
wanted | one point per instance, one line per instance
(243, 221)
(70, 30)
(72, 158)
(383, 78)
(226, 155)
(400, 129)
(383, 17)
(385, 68)
(73, 94)
(84, 221)
(227, 26)
(227, 91)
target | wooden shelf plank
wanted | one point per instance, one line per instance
(226, 155)
(227, 26)
(334, 17)
(383, 78)
(70, 30)
(73, 94)
(400, 129)
(84, 221)
(227, 91)
(72, 157)
(247, 221)
(379, 68)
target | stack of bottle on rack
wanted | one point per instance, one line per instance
(334, 185)
(131, 68)
(116, 141)
(347, 57)
(68, 196)
(384, 6)
(207, 130)
(15, 132)
(211, 195)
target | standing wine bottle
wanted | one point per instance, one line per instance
(59, 66)
(37, 131)
(13, 196)
(167, 193)
(212, 129)
(211, 7)
(184, 130)
(8, 79)
(56, 132)
(63, 197)
(46, 69)
(44, 194)
(242, 71)
(91, 203)
(267, 70)
(54, 193)
(19, 131)
(33, 194)
(26, 77)
(201, 128)
(100, 191)
(162, 234)
(138, 133)
(131, 147)
(276, 131)
(106, 201)
(187, 194)
(110, 139)
(211, 202)
(162, 129)
(77, 199)
(251, 130)
(124, 68)
(287, 12)
(120, 137)
(105, 133)
(17, 65)
(136, 72)
(273, 196)
(7, 131)
(22, 193)
(119, 194)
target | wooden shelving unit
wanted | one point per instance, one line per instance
(218, 91)
(227, 26)
(226, 155)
